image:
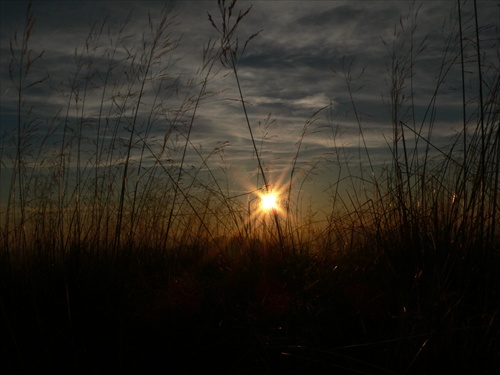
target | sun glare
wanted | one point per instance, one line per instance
(269, 202)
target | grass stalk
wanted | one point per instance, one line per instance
(229, 56)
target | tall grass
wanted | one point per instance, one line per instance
(108, 224)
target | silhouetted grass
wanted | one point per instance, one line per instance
(117, 256)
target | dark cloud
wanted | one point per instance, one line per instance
(338, 16)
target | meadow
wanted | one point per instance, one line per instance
(124, 251)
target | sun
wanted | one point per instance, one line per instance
(269, 202)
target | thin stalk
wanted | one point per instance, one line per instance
(482, 173)
(197, 102)
(227, 32)
(464, 108)
(147, 61)
(264, 177)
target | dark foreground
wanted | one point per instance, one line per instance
(251, 313)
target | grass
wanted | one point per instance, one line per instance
(117, 256)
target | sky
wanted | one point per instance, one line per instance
(296, 66)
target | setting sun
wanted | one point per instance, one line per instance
(269, 202)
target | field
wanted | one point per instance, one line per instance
(123, 251)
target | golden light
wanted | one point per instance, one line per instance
(269, 202)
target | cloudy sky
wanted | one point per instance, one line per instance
(297, 65)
